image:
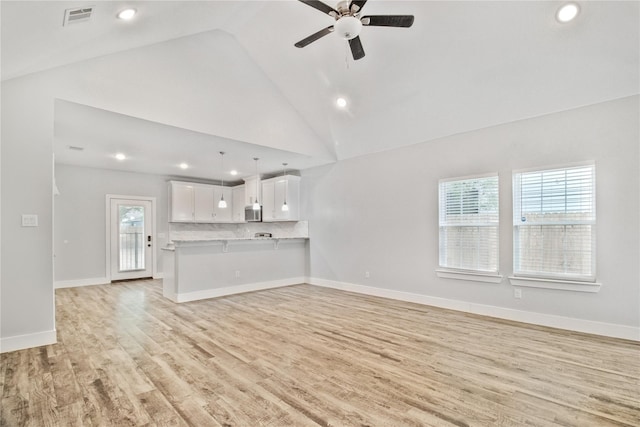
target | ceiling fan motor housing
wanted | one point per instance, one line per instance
(343, 8)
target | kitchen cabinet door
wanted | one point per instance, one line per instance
(203, 203)
(289, 190)
(181, 207)
(274, 192)
(238, 203)
(279, 196)
(268, 201)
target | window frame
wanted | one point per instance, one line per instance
(578, 282)
(448, 272)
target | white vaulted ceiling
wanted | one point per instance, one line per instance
(186, 79)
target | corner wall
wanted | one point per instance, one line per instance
(379, 213)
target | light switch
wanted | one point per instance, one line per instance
(29, 220)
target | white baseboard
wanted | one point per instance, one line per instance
(20, 342)
(239, 289)
(80, 282)
(561, 322)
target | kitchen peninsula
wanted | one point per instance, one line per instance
(225, 259)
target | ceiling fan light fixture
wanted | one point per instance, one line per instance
(348, 27)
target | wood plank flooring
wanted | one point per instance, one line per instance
(308, 356)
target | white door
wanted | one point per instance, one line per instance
(131, 239)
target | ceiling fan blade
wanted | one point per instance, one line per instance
(314, 37)
(356, 48)
(358, 3)
(388, 20)
(321, 7)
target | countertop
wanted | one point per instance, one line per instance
(224, 240)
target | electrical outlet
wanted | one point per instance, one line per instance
(237, 273)
(366, 275)
(517, 293)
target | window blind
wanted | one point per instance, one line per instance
(554, 222)
(468, 222)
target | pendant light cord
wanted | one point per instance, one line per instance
(222, 166)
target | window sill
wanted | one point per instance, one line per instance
(564, 285)
(475, 277)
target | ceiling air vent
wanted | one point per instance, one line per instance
(81, 14)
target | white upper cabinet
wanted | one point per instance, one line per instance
(238, 203)
(192, 202)
(181, 202)
(275, 192)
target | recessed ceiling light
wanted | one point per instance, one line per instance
(183, 166)
(567, 12)
(120, 156)
(127, 14)
(341, 102)
(234, 172)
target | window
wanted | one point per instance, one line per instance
(554, 222)
(469, 224)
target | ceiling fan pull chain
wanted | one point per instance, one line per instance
(346, 55)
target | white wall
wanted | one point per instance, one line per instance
(27, 307)
(80, 217)
(379, 213)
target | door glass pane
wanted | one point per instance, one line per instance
(131, 238)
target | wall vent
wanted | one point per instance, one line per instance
(72, 16)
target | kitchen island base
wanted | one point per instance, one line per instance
(201, 269)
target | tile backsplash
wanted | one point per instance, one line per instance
(185, 231)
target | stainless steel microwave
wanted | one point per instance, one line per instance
(252, 216)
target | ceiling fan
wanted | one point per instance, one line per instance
(349, 23)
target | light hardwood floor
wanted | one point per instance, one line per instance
(306, 356)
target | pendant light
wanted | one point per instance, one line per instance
(256, 204)
(222, 204)
(285, 207)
